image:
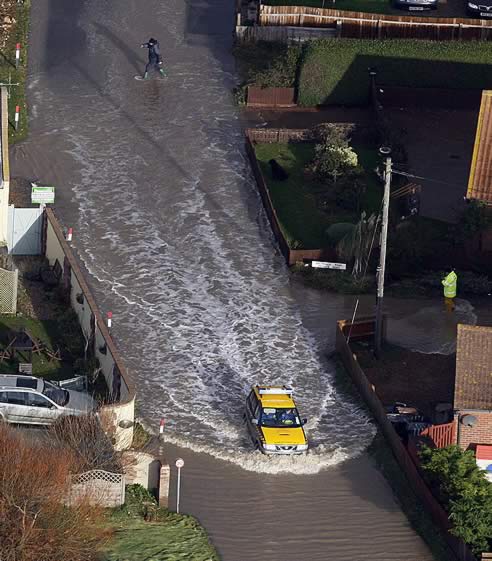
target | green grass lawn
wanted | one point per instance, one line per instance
(295, 200)
(63, 334)
(169, 537)
(335, 71)
(370, 6)
(177, 539)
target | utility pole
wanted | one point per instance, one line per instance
(386, 152)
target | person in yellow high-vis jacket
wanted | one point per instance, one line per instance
(449, 283)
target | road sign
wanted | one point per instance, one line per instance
(42, 195)
(328, 265)
(179, 464)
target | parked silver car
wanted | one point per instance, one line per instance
(416, 5)
(34, 401)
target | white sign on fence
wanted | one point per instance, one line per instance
(42, 195)
(328, 265)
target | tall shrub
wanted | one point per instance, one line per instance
(464, 492)
(34, 523)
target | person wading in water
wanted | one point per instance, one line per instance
(155, 58)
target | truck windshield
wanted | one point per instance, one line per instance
(55, 393)
(279, 418)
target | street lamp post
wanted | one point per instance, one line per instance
(386, 152)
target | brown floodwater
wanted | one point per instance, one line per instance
(153, 178)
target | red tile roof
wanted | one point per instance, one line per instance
(480, 179)
(473, 384)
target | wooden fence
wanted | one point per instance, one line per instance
(271, 97)
(272, 136)
(283, 34)
(292, 256)
(458, 549)
(441, 435)
(377, 26)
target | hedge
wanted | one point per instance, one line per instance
(335, 71)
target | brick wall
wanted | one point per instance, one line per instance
(481, 433)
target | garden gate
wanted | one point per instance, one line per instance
(25, 226)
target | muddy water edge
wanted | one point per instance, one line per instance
(154, 181)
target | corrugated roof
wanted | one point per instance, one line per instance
(483, 452)
(473, 385)
(480, 179)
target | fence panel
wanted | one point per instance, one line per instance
(271, 97)
(8, 291)
(377, 26)
(441, 435)
(97, 487)
(283, 34)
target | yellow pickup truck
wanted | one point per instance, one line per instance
(274, 422)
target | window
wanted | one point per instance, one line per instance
(251, 401)
(56, 394)
(280, 418)
(257, 410)
(16, 398)
(27, 383)
(4, 397)
(36, 400)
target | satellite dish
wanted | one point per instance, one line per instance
(468, 420)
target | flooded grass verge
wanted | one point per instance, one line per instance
(143, 531)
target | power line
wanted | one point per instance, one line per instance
(406, 174)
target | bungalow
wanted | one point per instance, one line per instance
(473, 386)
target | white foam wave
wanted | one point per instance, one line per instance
(171, 228)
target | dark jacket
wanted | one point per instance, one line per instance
(154, 51)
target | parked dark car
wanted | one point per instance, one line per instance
(480, 9)
(415, 5)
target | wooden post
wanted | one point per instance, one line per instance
(164, 480)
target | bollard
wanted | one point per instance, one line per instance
(17, 55)
(17, 112)
(110, 317)
(69, 234)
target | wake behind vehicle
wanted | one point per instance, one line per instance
(34, 401)
(274, 422)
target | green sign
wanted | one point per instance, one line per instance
(42, 195)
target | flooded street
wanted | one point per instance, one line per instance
(153, 178)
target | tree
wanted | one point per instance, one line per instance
(464, 492)
(474, 220)
(357, 243)
(35, 525)
(334, 157)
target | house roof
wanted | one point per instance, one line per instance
(480, 178)
(473, 384)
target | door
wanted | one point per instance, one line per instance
(40, 409)
(15, 407)
(25, 226)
